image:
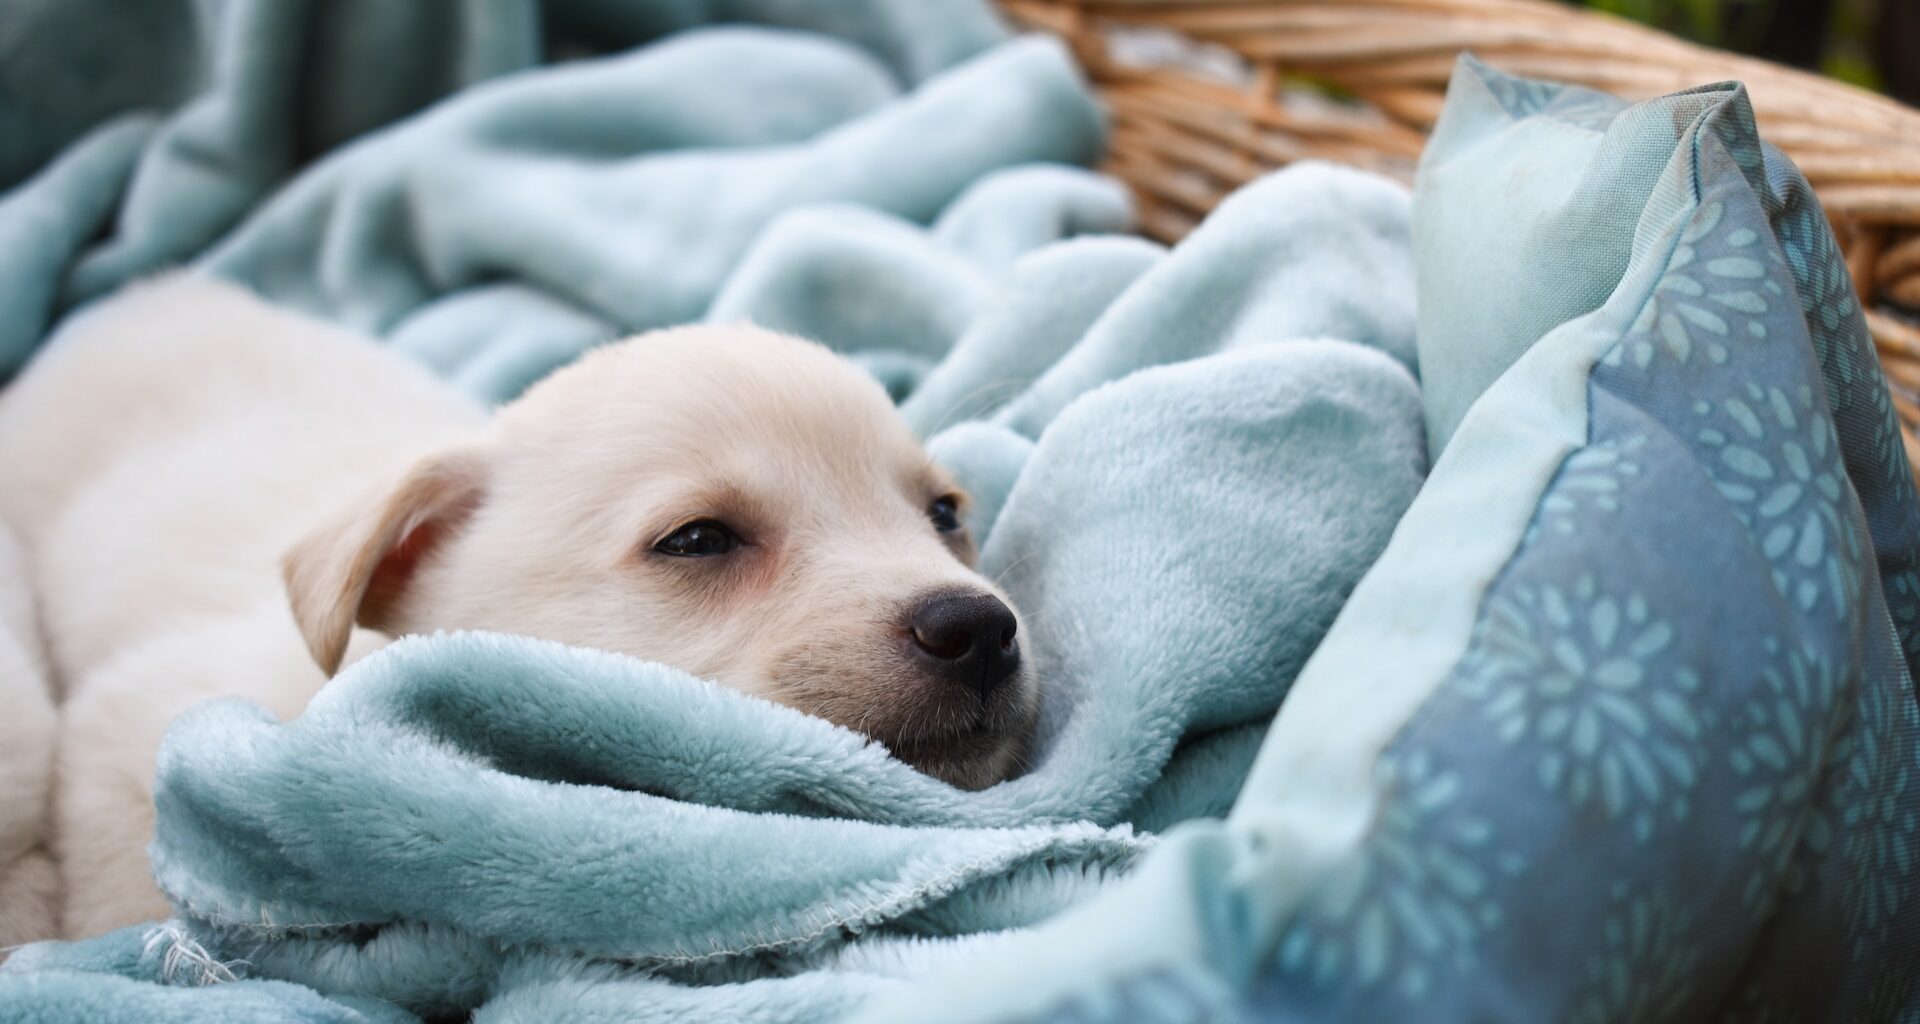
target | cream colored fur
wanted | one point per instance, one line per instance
(212, 493)
(29, 887)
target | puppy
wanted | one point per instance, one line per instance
(214, 494)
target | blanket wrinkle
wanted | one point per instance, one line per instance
(232, 98)
(648, 238)
(1046, 303)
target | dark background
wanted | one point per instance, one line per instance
(1875, 43)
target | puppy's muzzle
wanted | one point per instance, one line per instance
(967, 639)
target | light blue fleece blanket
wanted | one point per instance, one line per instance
(491, 825)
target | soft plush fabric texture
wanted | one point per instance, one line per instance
(1621, 727)
(519, 830)
(183, 126)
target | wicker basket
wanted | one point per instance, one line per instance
(1205, 96)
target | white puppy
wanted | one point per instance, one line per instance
(739, 504)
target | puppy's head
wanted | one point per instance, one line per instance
(739, 504)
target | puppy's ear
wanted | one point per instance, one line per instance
(356, 565)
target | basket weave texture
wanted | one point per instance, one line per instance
(1205, 96)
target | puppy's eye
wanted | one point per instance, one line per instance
(945, 513)
(698, 540)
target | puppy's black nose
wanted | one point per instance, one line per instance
(968, 639)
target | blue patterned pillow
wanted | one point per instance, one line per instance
(1633, 689)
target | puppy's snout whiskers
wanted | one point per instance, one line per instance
(1000, 578)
